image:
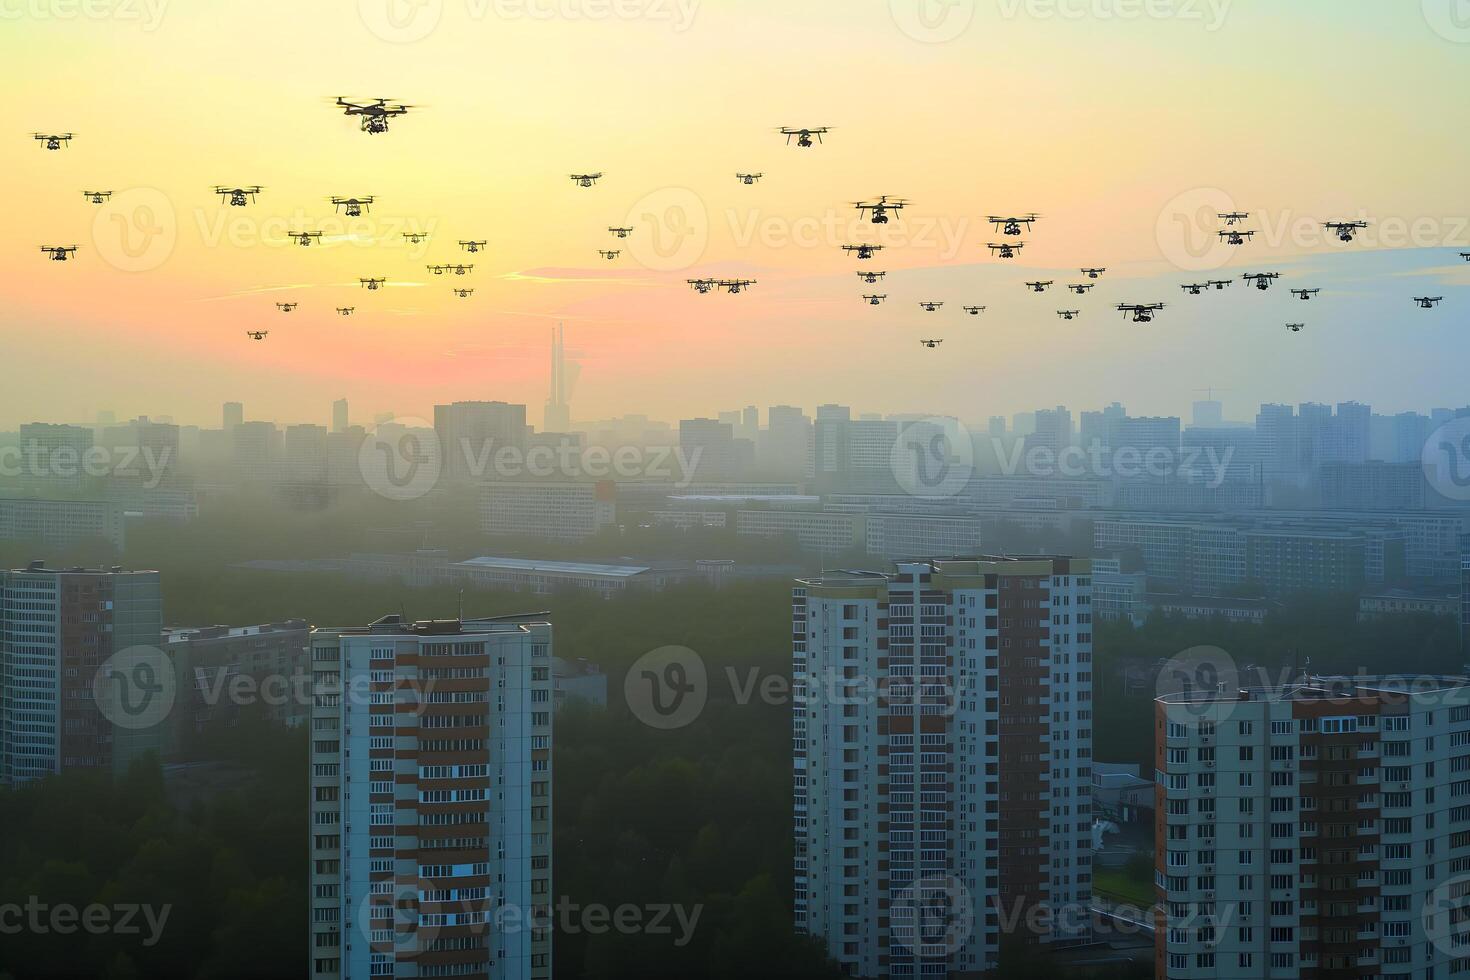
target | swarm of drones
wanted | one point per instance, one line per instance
(374, 116)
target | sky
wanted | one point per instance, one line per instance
(1126, 124)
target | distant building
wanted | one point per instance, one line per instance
(224, 669)
(906, 535)
(1403, 602)
(57, 523)
(578, 680)
(1252, 611)
(560, 511)
(339, 415)
(470, 434)
(546, 577)
(1118, 595)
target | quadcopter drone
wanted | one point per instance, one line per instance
(973, 310)
(1344, 230)
(1295, 327)
(1142, 312)
(54, 141)
(286, 307)
(1092, 273)
(879, 209)
(748, 178)
(930, 306)
(257, 334)
(472, 246)
(1465, 256)
(237, 197)
(863, 251)
(305, 238)
(372, 283)
(345, 310)
(803, 135)
(1068, 314)
(375, 114)
(701, 285)
(1233, 217)
(458, 270)
(931, 344)
(97, 197)
(1079, 287)
(59, 253)
(1007, 250)
(871, 277)
(1262, 280)
(1039, 287)
(609, 253)
(414, 237)
(463, 293)
(1234, 236)
(1428, 302)
(733, 286)
(620, 232)
(1305, 293)
(1012, 226)
(353, 207)
(1220, 283)
(1194, 288)
(585, 180)
(875, 299)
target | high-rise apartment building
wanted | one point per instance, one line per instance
(472, 433)
(431, 800)
(1315, 828)
(942, 731)
(59, 628)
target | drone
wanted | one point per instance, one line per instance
(1068, 314)
(372, 283)
(1235, 236)
(305, 238)
(1092, 273)
(1428, 302)
(1007, 250)
(458, 270)
(1295, 327)
(609, 253)
(97, 197)
(463, 293)
(59, 253)
(1345, 230)
(472, 246)
(1079, 287)
(1012, 226)
(257, 334)
(702, 285)
(345, 310)
(1261, 279)
(733, 286)
(620, 232)
(931, 344)
(1142, 312)
(353, 207)
(879, 208)
(1194, 288)
(931, 306)
(1305, 293)
(54, 141)
(1039, 287)
(803, 135)
(875, 299)
(1465, 256)
(237, 197)
(871, 277)
(748, 178)
(1233, 217)
(286, 307)
(973, 310)
(1220, 283)
(375, 114)
(585, 180)
(414, 237)
(863, 251)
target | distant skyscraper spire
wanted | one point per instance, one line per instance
(558, 417)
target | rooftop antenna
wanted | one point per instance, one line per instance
(461, 606)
